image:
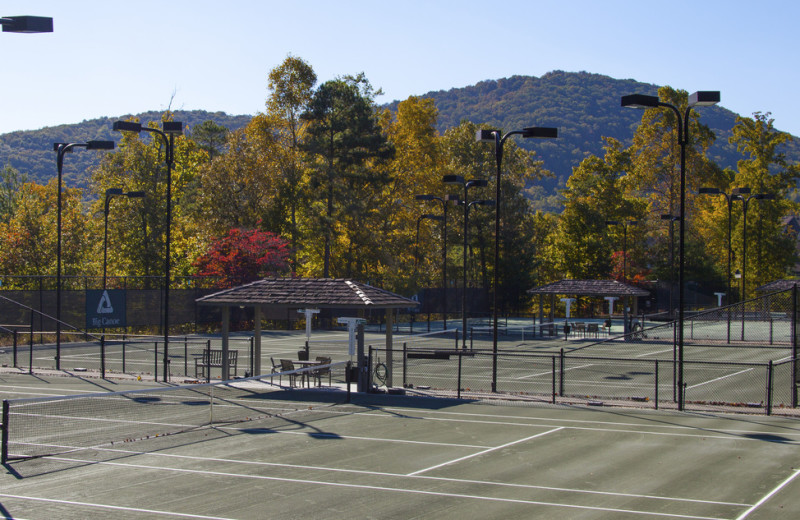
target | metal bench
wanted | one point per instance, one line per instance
(213, 358)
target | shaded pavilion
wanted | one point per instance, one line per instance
(287, 295)
(777, 286)
(592, 288)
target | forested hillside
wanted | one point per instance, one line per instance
(31, 152)
(585, 107)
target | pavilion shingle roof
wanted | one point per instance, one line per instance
(777, 285)
(308, 293)
(589, 288)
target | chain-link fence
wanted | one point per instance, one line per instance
(739, 357)
(189, 357)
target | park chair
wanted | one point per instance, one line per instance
(288, 366)
(318, 373)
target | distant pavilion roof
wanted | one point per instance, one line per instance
(320, 293)
(777, 285)
(589, 288)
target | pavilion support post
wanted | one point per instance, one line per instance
(541, 312)
(389, 346)
(255, 370)
(226, 329)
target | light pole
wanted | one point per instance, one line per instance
(61, 149)
(474, 183)
(169, 130)
(27, 24)
(735, 194)
(495, 136)
(745, 205)
(445, 203)
(672, 219)
(697, 99)
(416, 242)
(111, 192)
(624, 225)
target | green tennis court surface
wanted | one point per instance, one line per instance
(410, 457)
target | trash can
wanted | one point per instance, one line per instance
(302, 355)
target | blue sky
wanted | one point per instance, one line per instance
(110, 58)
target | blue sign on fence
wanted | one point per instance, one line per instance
(105, 309)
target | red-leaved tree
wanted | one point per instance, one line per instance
(244, 255)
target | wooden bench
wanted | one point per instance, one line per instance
(213, 358)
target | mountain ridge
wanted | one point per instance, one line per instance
(584, 107)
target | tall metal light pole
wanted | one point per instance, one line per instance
(445, 203)
(745, 204)
(61, 149)
(474, 183)
(735, 194)
(169, 130)
(27, 24)
(624, 225)
(495, 136)
(672, 219)
(697, 99)
(111, 192)
(416, 242)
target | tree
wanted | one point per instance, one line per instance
(346, 146)
(138, 164)
(654, 173)
(291, 87)
(765, 169)
(28, 241)
(594, 194)
(235, 190)
(242, 256)
(10, 183)
(210, 137)
(414, 169)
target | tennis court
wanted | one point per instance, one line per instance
(385, 456)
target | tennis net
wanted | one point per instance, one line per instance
(46, 426)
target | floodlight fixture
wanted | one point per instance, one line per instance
(27, 24)
(639, 101)
(704, 98)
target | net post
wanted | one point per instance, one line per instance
(207, 361)
(124, 341)
(369, 371)
(15, 346)
(4, 455)
(656, 389)
(554, 380)
(347, 378)
(405, 364)
(458, 391)
(103, 356)
(30, 349)
(186, 356)
(155, 359)
(561, 374)
(794, 346)
(769, 388)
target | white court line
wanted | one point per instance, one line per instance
(207, 473)
(113, 508)
(769, 495)
(550, 372)
(483, 452)
(703, 432)
(406, 476)
(720, 378)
